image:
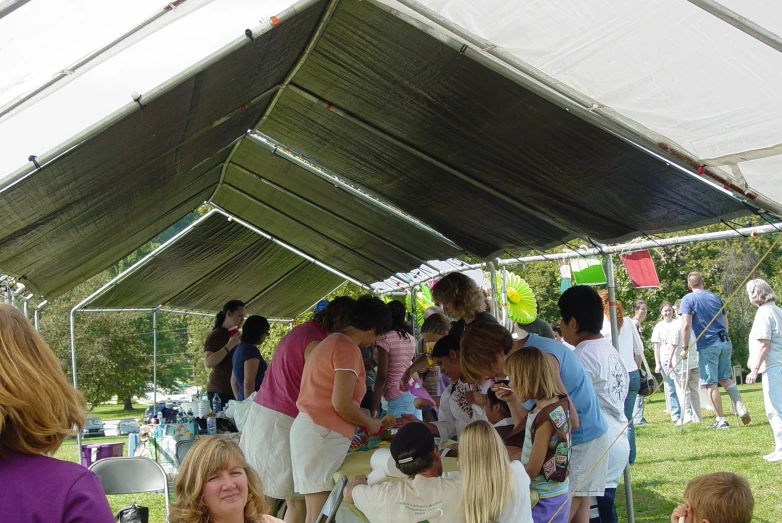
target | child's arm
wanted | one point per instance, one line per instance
(539, 448)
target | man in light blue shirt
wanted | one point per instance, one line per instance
(702, 311)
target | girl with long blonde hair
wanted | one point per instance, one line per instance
(546, 450)
(494, 489)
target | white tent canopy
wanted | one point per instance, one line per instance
(668, 68)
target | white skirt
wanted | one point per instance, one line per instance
(316, 454)
(266, 442)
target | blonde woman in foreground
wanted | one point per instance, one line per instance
(38, 410)
(216, 485)
(494, 489)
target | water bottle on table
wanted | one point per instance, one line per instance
(216, 405)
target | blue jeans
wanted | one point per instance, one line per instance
(772, 397)
(403, 405)
(673, 398)
(632, 394)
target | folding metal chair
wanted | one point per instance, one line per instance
(182, 447)
(131, 475)
(329, 512)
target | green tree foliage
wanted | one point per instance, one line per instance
(724, 265)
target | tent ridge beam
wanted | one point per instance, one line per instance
(289, 247)
(324, 20)
(310, 229)
(286, 152)
(299, 198)
(483, 187)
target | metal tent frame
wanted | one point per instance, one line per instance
(82, 306)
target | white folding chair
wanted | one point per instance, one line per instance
(738, 374)
(181, 449)
(131, 475)
(329, 512)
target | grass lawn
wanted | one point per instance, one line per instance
(667, 460)
(105, 412)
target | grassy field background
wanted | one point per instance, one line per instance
(667, 460)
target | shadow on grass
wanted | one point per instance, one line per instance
(717, 454)
(648, 503)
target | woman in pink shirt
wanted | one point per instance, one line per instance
(266, 436)
(395, 352)
(332, 387)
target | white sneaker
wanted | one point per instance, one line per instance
(776, 456)
(680, 422)
(743, 413)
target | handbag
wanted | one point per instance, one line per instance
(648, 381)
(132, 514)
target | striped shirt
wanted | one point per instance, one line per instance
(544, 488)
(400, 351)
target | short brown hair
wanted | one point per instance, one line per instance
(532, 376)
(464, 295)
(436, 323)
(720, 497)
(39, 408)
(210, 455)
(480, 346)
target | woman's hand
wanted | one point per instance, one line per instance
(405, 379)
(406, 419)
(374, 425)
(232, 342)
(752, 377)
(474, 397)
(657, 368)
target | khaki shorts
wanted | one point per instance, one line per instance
(316, 454)
(582, 458)
(267, 448)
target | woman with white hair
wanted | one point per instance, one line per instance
(765, 356)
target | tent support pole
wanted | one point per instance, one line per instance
(9, 6)
(493, 276)
(741, 23)
(154, 359)
(73, 372)
(35, 319)
(615, 340)
(413, 312)
(504, 297)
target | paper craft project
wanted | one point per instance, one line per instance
(588, 270)
(640, 268)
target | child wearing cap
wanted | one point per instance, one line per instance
(425, 496)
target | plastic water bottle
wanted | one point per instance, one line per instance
(160, 417)
(216, 406)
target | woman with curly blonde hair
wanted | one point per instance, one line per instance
(461, 298)
(38, 409)
(216, 485)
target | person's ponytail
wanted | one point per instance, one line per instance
(219, 319)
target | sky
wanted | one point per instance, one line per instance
(46, 36)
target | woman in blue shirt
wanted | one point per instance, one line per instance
(248, 365)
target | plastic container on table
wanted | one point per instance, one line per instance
(92, 453)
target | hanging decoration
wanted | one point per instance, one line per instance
(588, 270)
(640, 268)
(565, 275)
(423, 300)
(522, 306)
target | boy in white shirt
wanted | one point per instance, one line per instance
(425, 496)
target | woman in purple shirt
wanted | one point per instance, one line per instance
(38, 409)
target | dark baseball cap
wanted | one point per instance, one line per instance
(413, 436)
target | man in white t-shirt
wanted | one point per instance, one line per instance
(425, 496)
(581, 310)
